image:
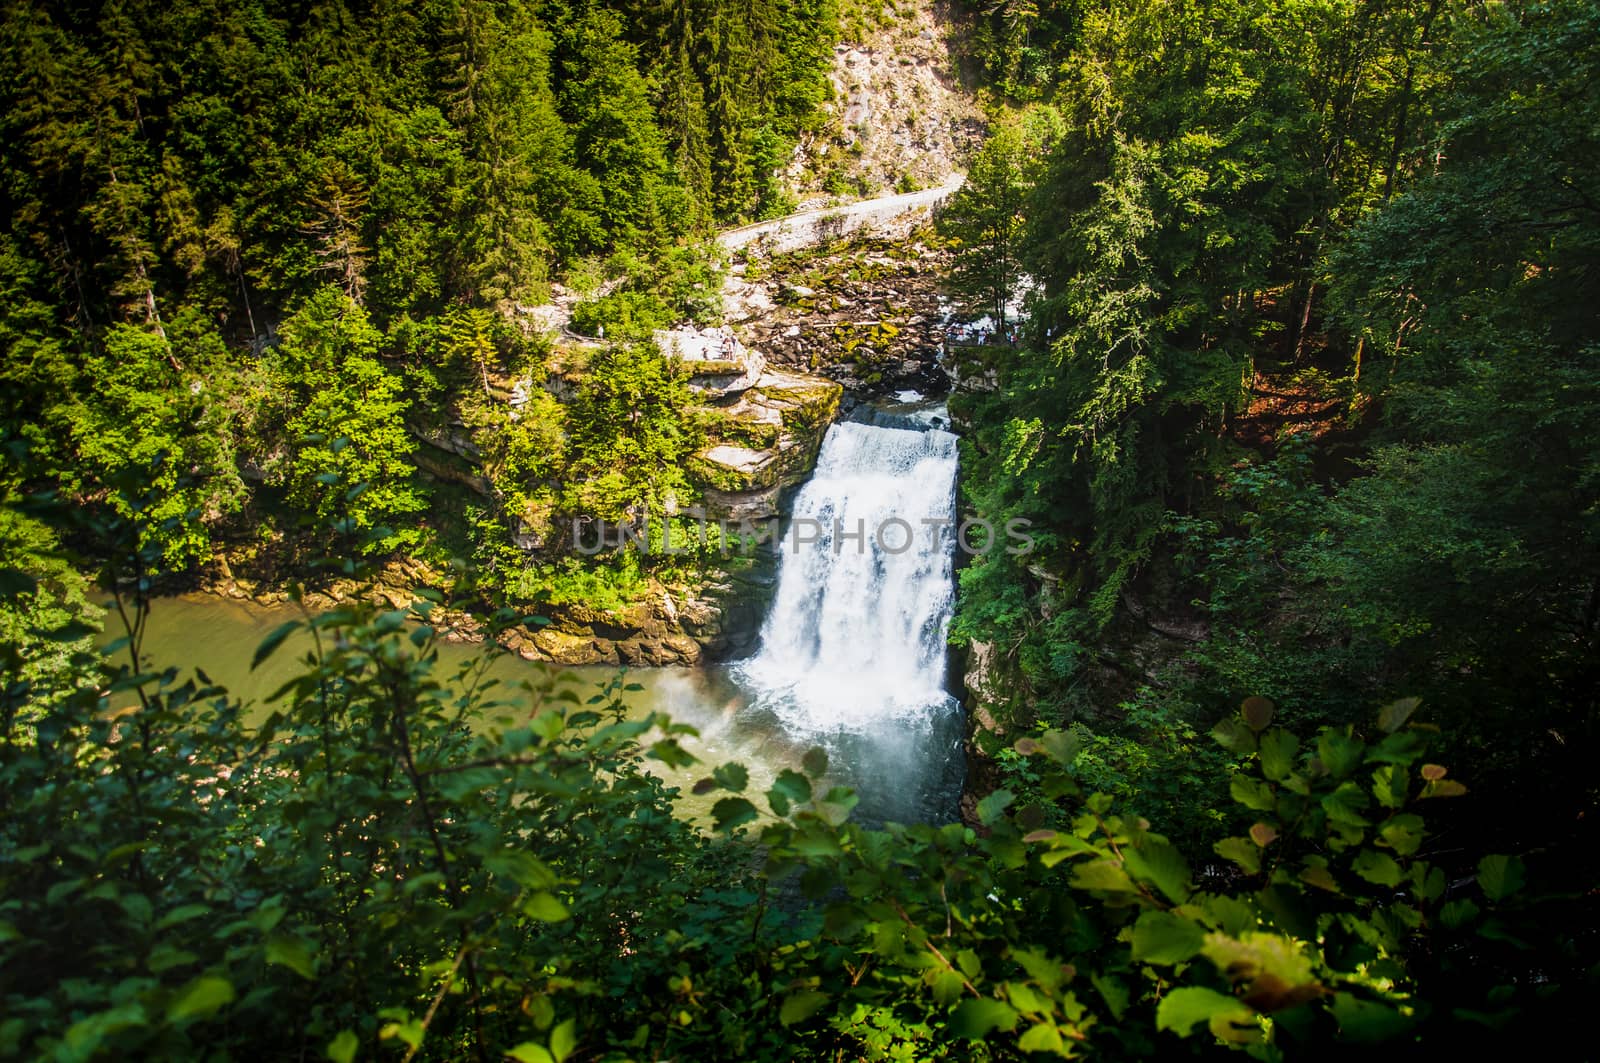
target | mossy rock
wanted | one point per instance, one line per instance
(716, 367)
(813, 399)
(736, 469)
(774, 440)
(745, 432)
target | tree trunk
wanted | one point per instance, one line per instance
(1305, 323)
(1403, 116)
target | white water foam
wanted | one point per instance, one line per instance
(856, 637)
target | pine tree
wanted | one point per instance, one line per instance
(519, 153)
(615, 135)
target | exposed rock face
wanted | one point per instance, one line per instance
(972, 369)
(868, 314)
(985, 702)
(766, 441)
(721, 364)
(899, 111)
(449, 454)
(983, 692)
(717, 620)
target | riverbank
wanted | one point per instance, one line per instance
(689, 622)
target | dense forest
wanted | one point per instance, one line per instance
(1311, 398)
(1282, 737)
(241, 233)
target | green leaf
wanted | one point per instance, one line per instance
(342, 1049)
(1161, 937)
(1390, 784)
(294, 954)
(521, 868)
(1113, 992)
(1428, 881)
(1104, 874)
(1454, 915)
(541, 1011)
(1241, 851)
(1022, 996)
(1367, 1022)
(670, 753)
(1378, 868)
(795, 786)
(1252, 793)
(1234, 735)
(732, 777)
(732, 812)
(1340, 754)
(798, 1007)
(1278, 749)
(563, 1039)
(531, 1052)
(548, 725)
(1184, 1008)
(270, 644)
(992, 807)
(200, 999)
(1062, 747)
(1318, 875)
(835, 808)
(977, 1017)
(1229, 914)
(1500, 876)
(947, 986)
(545, 907)
(164, 957)
(1042, 1038)
(1393, 716)
(1344, 805)
(789, 788)
(181, 914)
(1162, 864)
(1042, 968)
(1403, 833)
(463, 785)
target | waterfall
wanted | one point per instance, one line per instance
(855, 639)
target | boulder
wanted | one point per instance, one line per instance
(560, 647)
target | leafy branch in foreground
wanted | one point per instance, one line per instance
(422, 863)
(1070, 925)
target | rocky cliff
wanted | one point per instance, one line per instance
(901, 116)
(866, 312)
